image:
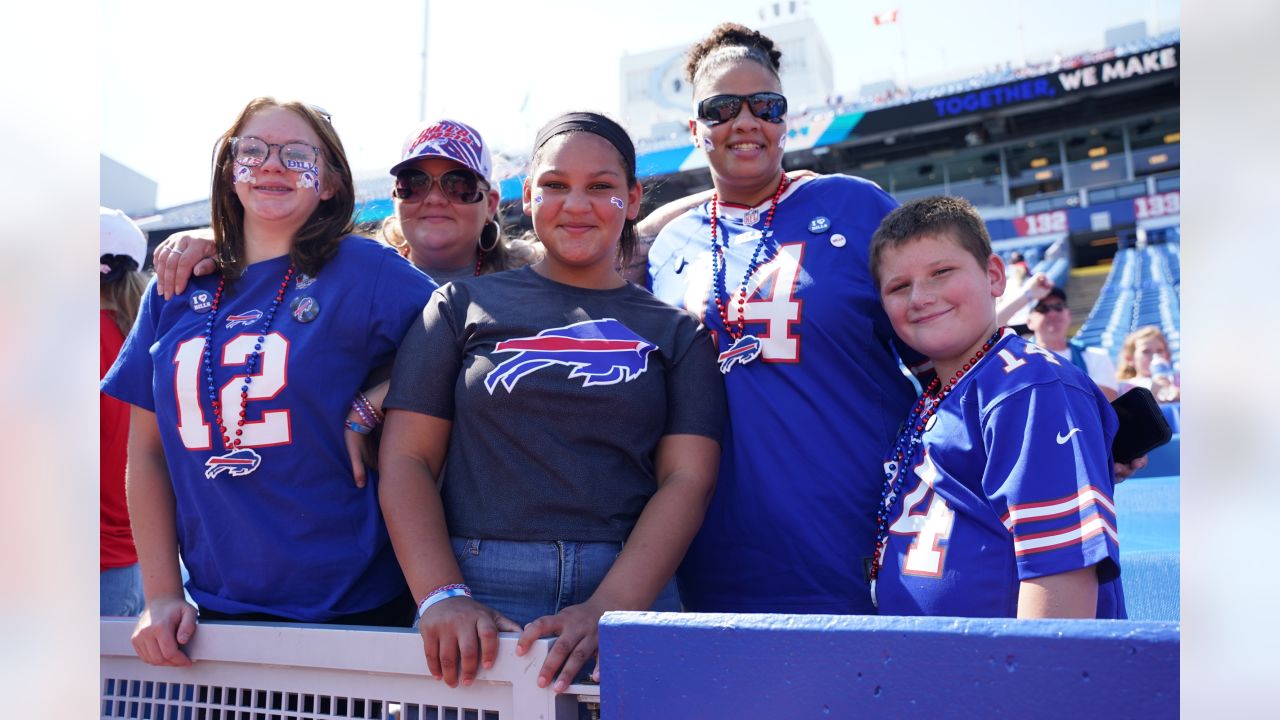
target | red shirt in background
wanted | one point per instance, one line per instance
(117, 540)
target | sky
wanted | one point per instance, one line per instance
(174, 74)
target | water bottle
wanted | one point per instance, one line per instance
(1162, 379)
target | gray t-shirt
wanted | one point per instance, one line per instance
(558, 397)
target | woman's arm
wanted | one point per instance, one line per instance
(168, 619)
(1071, 594)
(180, 257)
(685, 470)
(413, 451)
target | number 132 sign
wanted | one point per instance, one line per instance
(1041, 223)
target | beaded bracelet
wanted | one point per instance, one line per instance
(365, 410)
(377, 414)
(354, 426)
(444, 592)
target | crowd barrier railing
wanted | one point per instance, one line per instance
(268, 671)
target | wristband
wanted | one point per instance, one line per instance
(365, 410)
(444, 592)
(354, 426)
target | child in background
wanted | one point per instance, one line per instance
(997, 501)
(1144, 362)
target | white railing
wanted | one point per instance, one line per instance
(267, 671)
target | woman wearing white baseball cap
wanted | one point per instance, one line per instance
(122, 248)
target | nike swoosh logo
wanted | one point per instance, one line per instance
(1062, 439)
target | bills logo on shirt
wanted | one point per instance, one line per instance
(236, 463)
(245, 319)
(601, 352)
(744, 350)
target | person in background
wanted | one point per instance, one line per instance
(122, 250)
(580, 417)
(1144, 362)
(242, 390)
(1049, 320)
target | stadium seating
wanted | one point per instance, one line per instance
(1143, 288)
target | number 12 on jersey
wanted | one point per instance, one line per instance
(271, 378)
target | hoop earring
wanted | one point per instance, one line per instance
(493, 230)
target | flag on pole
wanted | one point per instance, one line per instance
(885, 18)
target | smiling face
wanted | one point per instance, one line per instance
(940, 300)
(578, 196)
(442, 234)
(274, 195)
(746, 152)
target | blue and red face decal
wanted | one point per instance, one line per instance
(601, 352)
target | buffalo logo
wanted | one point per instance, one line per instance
(742, 351)
(245, 319)
(602, 352)
(236, 463)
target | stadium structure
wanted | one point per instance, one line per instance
(1073, 161)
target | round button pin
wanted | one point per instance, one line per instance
(819, 224)
(837, 240)
(201, 301)
(304, 309)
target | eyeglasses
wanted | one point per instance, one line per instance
(768, 106)
(253, 152)
(460, 186)
(1050, 307)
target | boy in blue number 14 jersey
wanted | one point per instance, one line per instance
(997, 496)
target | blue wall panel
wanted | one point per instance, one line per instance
(704, 665)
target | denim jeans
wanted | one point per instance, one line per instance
(526, 580)
(120, 591)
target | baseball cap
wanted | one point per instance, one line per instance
(118, 235)
(451, 140)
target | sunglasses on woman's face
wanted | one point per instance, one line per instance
(768, 106)
(459, 186)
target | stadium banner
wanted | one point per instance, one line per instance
(1049, 86)
(1041, 223)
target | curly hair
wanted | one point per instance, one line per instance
(727, 43)
(317, 240)
(931, 216)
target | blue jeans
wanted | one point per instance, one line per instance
(120, 591)
(526, 580)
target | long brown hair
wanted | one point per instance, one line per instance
(317, 240)
(123, 295)
(1128, 368)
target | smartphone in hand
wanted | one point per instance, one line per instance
(1143, 427)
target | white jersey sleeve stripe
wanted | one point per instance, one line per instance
(1088, 495)
(1071, 536)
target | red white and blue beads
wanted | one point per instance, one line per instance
(228, 442)
(719, 267)
(904, 448)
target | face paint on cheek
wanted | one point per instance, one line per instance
(617, 202)
(782, 142)
(244, 174)
(707, 145)
(537, 199)
(308, 179)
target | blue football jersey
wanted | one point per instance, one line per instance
(1013, 480)
(810, 413)
(277, 527)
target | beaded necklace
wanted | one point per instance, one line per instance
(744, 348)
(232, 458)
(909, 439)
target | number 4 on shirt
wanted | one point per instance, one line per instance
(926, 556)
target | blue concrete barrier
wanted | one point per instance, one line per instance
(705, 665)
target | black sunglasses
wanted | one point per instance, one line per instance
(460, 186)
(768, 106)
